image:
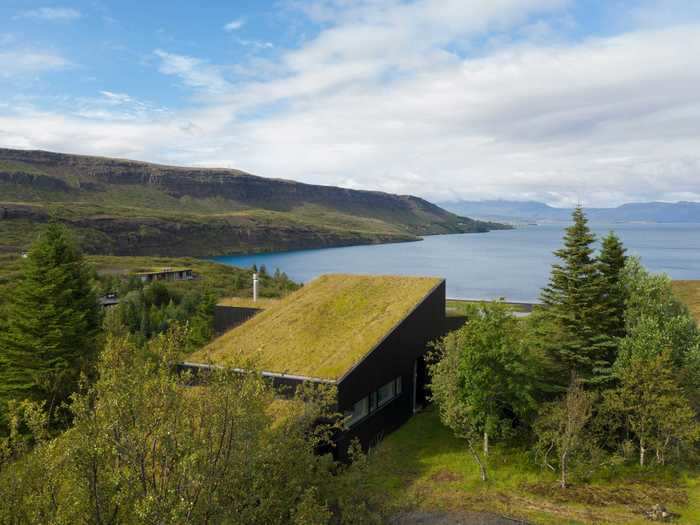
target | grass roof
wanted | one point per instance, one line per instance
(323, 329)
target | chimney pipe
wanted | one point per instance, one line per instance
(255, 287)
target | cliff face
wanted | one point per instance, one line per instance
(126, 207)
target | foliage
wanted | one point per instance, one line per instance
(611, 264)
(50, 324)
(652, 406)
(423, 469)
(658, 322)
(116, 273)
(561, 429)
(144, 448)
(574, 302)
(482, 379)
(152, 309)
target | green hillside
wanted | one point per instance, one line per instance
(123, 207)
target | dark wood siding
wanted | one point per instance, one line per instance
(394, 356)
(228, 317)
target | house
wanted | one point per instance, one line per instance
(108, 300)
(366, 335)
(233, 311)
(165, 274)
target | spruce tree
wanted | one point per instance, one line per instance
(52, 320)
(611, 263)
(572, 300)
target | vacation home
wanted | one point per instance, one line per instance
(166, 274)
(367, 335)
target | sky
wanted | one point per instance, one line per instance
(562, 101)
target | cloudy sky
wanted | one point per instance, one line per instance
(595, 101)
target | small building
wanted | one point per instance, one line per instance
(366, 335)
(166, 274)
(108, 300)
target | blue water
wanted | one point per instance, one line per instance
(513, 264)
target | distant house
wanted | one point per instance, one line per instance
(165, 274)
(108, 300)
(367, 335)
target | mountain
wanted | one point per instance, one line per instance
(532, 211)
(123, 207)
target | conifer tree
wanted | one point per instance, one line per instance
(52, 320)
(611, 264)
(572, 300)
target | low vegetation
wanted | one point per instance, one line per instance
(424, 466)
(143, 448)
(689, 293)
(599, 387)
(324, 328)
(586, 411)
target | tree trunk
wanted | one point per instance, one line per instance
(564, 470)
(642, 451)
(486, 443)
(482, 466)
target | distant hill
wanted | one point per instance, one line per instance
(532, 211)
(124, 207)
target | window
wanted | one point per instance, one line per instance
(374, 401)
(359, 410)
(386, 393)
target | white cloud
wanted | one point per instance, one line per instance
(193, 72)
(28, 62)
(234, 25)
(380, 99)
(116, 98)
(52, 14)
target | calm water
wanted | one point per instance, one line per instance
(513, 264)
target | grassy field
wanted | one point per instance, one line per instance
(324, 328)
(222, 280)
(689, 293)
(422, 466)
(460, 307)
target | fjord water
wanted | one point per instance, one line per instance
(513, 264)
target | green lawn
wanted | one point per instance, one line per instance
(460, 307)
(423, 466)
(689, 293)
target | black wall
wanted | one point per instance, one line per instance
(227, 317)
(393, 357)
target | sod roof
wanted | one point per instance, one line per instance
(323, 329)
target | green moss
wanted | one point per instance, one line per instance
(322, 329)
